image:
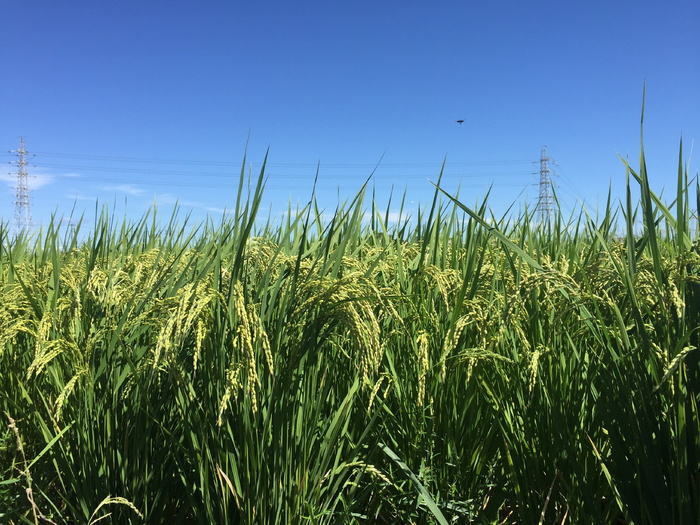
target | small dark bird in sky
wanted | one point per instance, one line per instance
(459, 121)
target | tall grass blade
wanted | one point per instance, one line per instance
(424, 494)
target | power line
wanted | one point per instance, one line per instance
(112, 172)
(274, 171)
(271, 171)
(276, 165)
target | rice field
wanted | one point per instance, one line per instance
(454, 367)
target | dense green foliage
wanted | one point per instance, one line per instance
(451, 368)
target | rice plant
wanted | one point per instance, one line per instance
(453, 367)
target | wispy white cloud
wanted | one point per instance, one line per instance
(165, 198)
(129, 189)
(81, 197)
(215, 209)
(170, 199)
(34, 180)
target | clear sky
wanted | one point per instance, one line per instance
(134, 102)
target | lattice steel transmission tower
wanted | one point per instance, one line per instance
(545, 203)
(23, 211)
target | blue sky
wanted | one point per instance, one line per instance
(130, 103)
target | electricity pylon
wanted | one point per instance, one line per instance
(545, 203)
(23, 211)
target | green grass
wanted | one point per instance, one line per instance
(452, 368)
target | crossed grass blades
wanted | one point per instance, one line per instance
(446, 368)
